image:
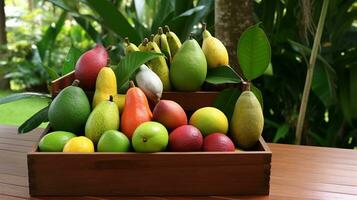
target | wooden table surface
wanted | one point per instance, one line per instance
(298, 172)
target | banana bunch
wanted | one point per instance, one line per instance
(167, 43)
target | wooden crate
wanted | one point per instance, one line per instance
(190, 101)
(163, 173)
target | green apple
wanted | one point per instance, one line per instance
(150, 137)
(113, 141)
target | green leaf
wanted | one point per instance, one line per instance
(282, 131)
(52, 73)
(90, 30)
(353, 91)
(71, 59)
(24, 95)
(221, 75)
(258, 94)
(190, 12)
(114, 20)
(166, 9)
(130, 64)
(254, 52)
(269, 70)
(45, 44)
(34, 121)
(226, 101)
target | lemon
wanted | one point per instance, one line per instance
(209, 120)
(79, 144)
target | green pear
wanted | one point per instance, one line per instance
(189, 67)
(105, 116)
(247, 121)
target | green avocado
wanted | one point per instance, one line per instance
(69, 110)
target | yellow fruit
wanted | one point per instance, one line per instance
(129, 47)
(247, 121)
(209, 120)
(105, 86)
(214, 50)
(79, 144)
(119, 99)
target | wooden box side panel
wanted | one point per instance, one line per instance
(150, 174)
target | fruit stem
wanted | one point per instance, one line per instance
(152, 37)
(126, 39)
(166, 29)
(110, 98)
(204, 26)
(110, 47)
(75, 82)
(145, 41)
(131, 84)
(160, 31)
(191, 36)
(245, 86)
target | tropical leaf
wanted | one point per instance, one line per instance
(114, 20)
(254, 52)
(257, 94)
(221, 75)
(282, 131)
(24, 95)
(52, 73)
(71, 59)
(226, 101)
(130, 64)
(166, 9)
(34, 121)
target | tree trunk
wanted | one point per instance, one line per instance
(3, 39)
(232, 17)
(4, 83)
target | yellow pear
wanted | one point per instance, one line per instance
(106, 85)
(214, 50)
(247, 121)
(119, 99)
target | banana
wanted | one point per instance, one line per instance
(129, 47)
(143, 45)
(158, 65)
(161, 40)
(173, 40)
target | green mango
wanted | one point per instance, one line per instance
(189, 67)
(105, 116)
(247, 121)
(69, 110)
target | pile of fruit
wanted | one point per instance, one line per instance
(125, 122)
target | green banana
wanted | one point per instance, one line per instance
(129, 47)
(173, 40)
(158, 65)
(161, 40)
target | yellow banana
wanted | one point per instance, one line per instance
(173, 41)
(143, 45)
(158, 65)
(129, 47)
(161, 40)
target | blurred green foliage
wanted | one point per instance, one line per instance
(38, 48)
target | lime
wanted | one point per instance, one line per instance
(55, 141)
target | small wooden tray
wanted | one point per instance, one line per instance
(190, 101)
(164, 173)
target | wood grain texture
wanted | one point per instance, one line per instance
(163, 173)
(298, 172)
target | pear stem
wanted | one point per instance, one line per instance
(110, 98)
(110, 47)
(75, 82)
(131, 84)
(245, 86)
(191, 36)
(204, 26)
